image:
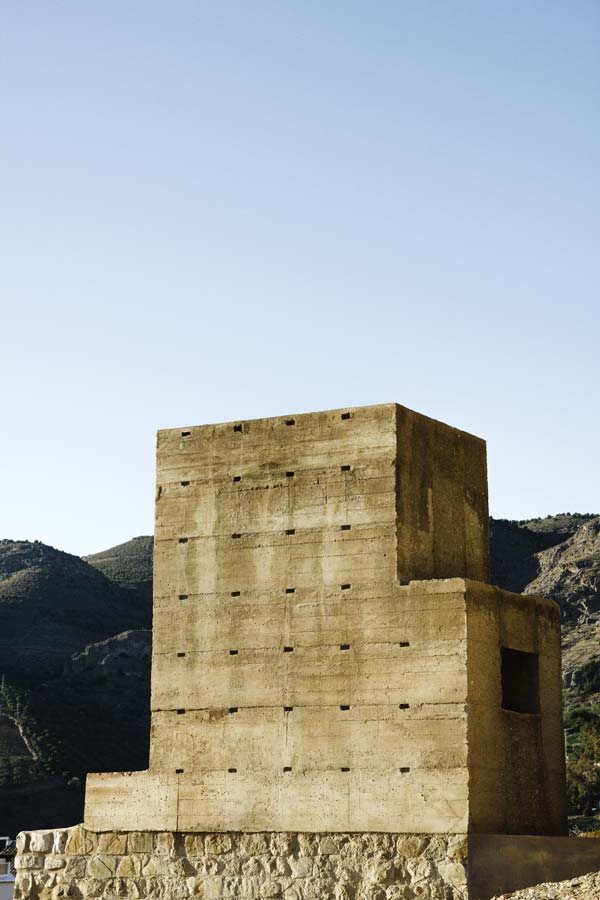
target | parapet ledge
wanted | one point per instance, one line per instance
(477, 589)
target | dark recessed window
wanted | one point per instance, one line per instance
(236, 535)
(235, 593)
(288, 649)
(344, 707)
(181, 712)
(185, 433)
(233, 709)
(232, 770)
(345, 468)
(183, 540)
(179, 771)
(288, 708)
(237, 427)
(181, 654)
(237, 477)
(345, 416)
(345, 769)
(233, 653)
(345, 527)
(183, 596)
(520, 681)
(290, 590)
(289, 474)
(290, 421)
(404, 706)
(404, 643)
(290, 531)
(344, 646)
(185, 484)
(405, 768)
(345, 587)
(287, 768)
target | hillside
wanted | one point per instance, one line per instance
(74, 680)
(53, 604)
(128, 565)
(75, 651)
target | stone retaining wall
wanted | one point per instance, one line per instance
(78, 863)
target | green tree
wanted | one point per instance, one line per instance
(583, 773)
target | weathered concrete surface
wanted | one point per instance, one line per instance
(389, 735)
(499, 864)
(79, 864)
(298, 683)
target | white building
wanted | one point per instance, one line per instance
(7, 871)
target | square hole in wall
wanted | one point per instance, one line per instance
(520, 681)
(345, 416)
(290, 421)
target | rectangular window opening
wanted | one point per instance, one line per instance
(345, 527)
(236, 535)
(179, 771)
(185, 484)
(183, 540)
(520, 681)
(237, 477)
(289, 474)
(344, 646)
(181, 712)
(233, 709)
(183, 596)
(344, 707)
(405, 769)
(345, 769)
(235, 593)
(404, 706)
(185, 433)
(345, 587)
(232, 770)
(345, 468)
(181, 654)
(345, 416)
(290, 421)
(290, 590)
(233, 652)
(288, 708)
(288, 649)
(404, 643)
(287, 768)
(290, 531)
(237, 427)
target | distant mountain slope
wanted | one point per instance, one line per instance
(128, 564)
(53, 604)
(75, 650)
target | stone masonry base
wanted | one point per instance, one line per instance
(78, 863)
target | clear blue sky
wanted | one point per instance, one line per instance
(224, 210)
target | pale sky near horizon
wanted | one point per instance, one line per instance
(221, 211)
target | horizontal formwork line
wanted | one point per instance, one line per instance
(407, 651)
(303, 536)
(318, 706)
(258, 481)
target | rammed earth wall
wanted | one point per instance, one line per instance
(77, 863)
